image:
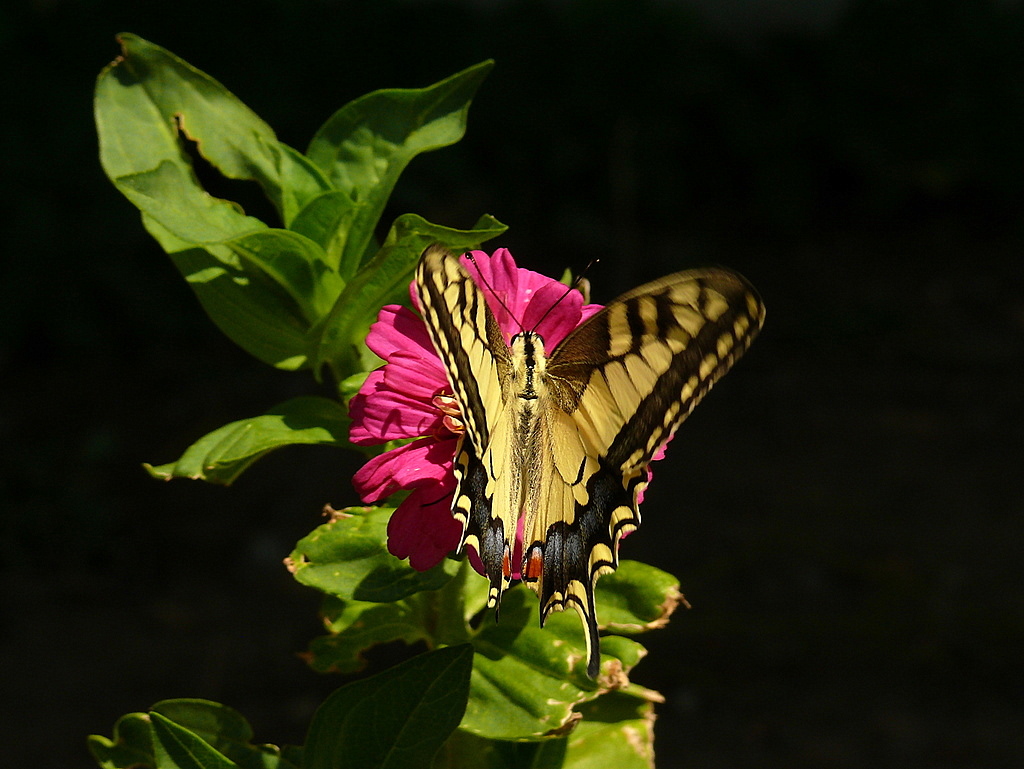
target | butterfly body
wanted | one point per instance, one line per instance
(563, 440)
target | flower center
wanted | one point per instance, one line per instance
(448, 406)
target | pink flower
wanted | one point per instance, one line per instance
(409, 397)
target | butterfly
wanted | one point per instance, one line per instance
(562, 438)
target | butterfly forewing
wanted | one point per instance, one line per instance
(634, 371)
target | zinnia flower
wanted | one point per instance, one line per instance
(409, 397)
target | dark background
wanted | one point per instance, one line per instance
(844, 512)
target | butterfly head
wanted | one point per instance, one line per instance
(528, 364)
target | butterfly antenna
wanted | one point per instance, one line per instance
(581, 278)
(489, 287)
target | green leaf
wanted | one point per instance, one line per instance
(529, 682)
(148, 98)
(394, 720)
(467, 750)
(365, 146)
(131, 746)
(221, 456)
(326, 220)
(278, 293)
(264, 288)
(385, 280)
(637, 598)
(353, 384)
(440, 617)
(348, 557)
(523, 686)
(359, 625)
(225, 730)
(170, 195)
(175, 747)
(617, 732)
(296, 264)
(628, 652)
(246, 305)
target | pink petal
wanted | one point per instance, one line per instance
(399, 328)
(508, 289)
(520, 298)
(390, 416)
(422, 528)
(535, 294)
(414, 297)
(395, 402)
(659, 454)
(474, 560)
(357, 409)
(553, 325)
(415, 464)
(517, 548)
(496, 272)
(415, 376)
(588, 311)
(496, 276)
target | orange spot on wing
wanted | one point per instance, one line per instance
(534, 564)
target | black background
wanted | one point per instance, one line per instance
(844, 511)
